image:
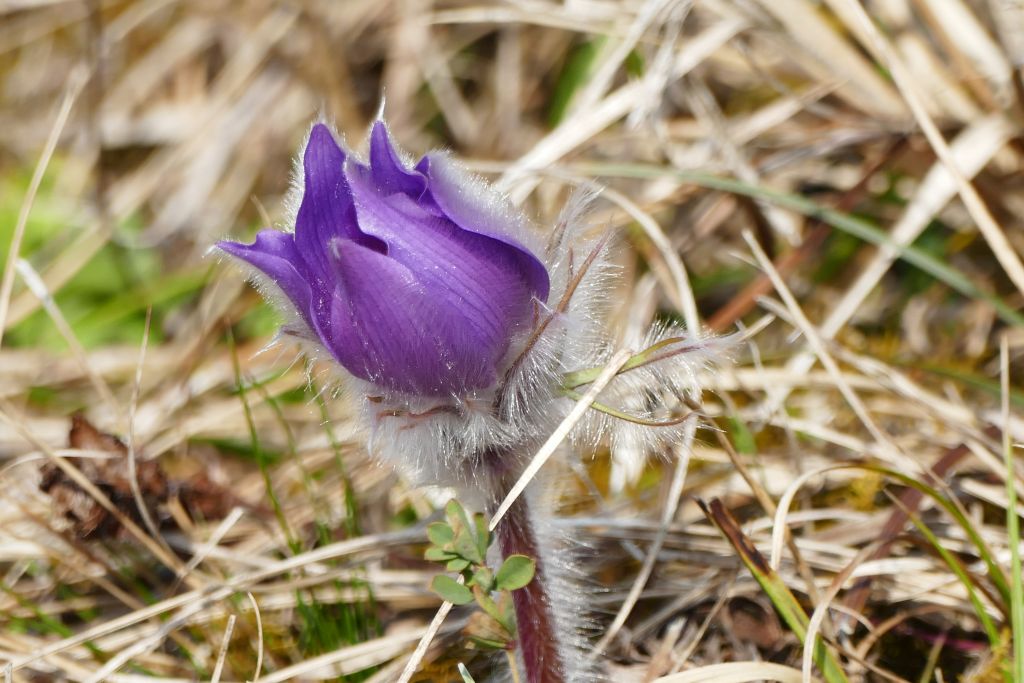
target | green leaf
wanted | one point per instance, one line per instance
(456, 515)
(775, 587)
(483, 536)
(438, 555)
(482, 577)
(451, 590)
(742, 437)
(458, 564)
(995, 570)
(440, 534)
(515, 572)
(575, 74)
(962, 574)
(507, 611)
(492, 609)
(464, 543)
(465, 546)
(487, 644)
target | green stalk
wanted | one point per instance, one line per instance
(851, 225)
(995, 572)
(775, 588)
(1012, 524)
(958, 569)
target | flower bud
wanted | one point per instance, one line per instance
(415, 279)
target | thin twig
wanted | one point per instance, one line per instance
(259, 635)
(222, 655)
(133, 477)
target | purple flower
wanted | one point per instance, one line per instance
(415, 279)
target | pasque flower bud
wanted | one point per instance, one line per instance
(466, 342)
(420, 281)
(413, 278)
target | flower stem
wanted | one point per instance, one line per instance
(535, 624)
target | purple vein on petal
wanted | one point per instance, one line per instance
(390, 329)
(472, 271)
(474, 207)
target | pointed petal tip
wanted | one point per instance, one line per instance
(272, 259)
(380, 141)
(320, 128)
(215, 249)
(389, 169)
(322, 150)
(229, 248)
(267, 241)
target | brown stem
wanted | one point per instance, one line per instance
(535, 624)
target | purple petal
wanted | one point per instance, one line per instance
(383, 325)
(413, 279)
(389, 172)
(275, 256)
(326, 212)
(474, 206)
(479, 275)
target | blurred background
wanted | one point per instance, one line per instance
(842, 175)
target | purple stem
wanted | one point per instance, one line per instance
(535, 624)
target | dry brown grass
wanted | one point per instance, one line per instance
(157, 127)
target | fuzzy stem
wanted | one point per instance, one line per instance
(535, 624)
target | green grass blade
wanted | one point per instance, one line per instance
(857, 227)
(775, 588)
(352, 528)
(995, 572)
(261, 459)
(574, 76)
(969, 379)
(958, 569)
(1012, 521)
